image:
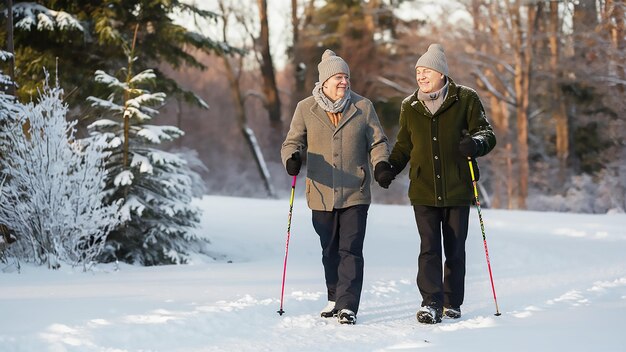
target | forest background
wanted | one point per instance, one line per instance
(550, 73)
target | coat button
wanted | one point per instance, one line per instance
(434, 138)
(438, 176)
(436, 157)
(439, 198)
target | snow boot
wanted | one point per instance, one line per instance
(329, 311)
(346, 316)
(429, 315)
(452, 312)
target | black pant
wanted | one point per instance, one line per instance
(441, 287)
(342, 232)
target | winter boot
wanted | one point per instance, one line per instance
(429, 315)
(346, 316)
(452, 312)
(329, 311)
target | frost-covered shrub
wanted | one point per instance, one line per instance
(603, 193)
(53, 196)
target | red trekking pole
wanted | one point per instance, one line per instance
(282, 291)
(482, 228)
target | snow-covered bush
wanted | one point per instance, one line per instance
(155, 185)
(605, 192)
(53, 194)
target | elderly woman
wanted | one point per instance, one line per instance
(341, 134)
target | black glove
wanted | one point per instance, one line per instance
(384, 174)
(468, 146)
(293, 164)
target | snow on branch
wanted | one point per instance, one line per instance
(143, 77)
(105, 104)
(105, 78)
(30, 14)
(5, 55)
(157, 134)
(146, 99)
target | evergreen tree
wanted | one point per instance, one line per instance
(81, 35)
(156, 186)
(7, 102)
(52, 196)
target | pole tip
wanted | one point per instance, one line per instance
(497, 314)
(280, 312)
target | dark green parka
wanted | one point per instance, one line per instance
(439, 173)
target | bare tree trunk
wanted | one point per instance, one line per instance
(294, 22)
(523, 60)
(248, 133)
(509, 173)
(179, 121)
(498, 106)
(614, 19)
(240, 112)
(298, 57)
(559, 114)
(584, 23)
(270, 90)
(10, 48)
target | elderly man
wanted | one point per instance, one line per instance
(342, 135)
(442, 124)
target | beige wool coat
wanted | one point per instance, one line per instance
(339, 160)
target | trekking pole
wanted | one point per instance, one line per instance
(282, 290)
(482, 228)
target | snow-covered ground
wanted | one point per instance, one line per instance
(560, 281)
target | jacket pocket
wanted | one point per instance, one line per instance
(363, 176)
(417, 170)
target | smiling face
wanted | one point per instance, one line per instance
(428, 79)
(335, 87)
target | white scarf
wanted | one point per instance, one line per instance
(434, 100)
(328, 105)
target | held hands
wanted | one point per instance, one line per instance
(384, 174)
(293, 164)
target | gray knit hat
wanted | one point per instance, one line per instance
(434, 58)
(331, 65)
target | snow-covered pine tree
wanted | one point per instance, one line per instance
(53, 193)
(155, 185)
(7, 102)
(7, 107)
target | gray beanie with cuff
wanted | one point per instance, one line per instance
(434, 58)
(331, 65)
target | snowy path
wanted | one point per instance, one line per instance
(560, 280)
